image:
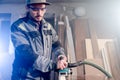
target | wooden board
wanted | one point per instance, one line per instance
(80, 32)
(93, 36)
(114, 60)
(70, 47)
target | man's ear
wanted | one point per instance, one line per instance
(45, 11)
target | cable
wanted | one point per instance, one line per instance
(79, 63)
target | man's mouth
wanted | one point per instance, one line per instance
(38, 16)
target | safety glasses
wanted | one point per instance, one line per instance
(37, 9)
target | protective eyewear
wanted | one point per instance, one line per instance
(37, 9)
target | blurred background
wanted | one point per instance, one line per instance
(88, 30)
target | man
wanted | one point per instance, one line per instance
(35, 42)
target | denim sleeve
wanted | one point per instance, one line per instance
(44, 64)
(23, 51)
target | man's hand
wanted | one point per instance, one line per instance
(62, 62)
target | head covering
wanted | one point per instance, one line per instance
(29, 2)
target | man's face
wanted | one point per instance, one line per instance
(37, 11)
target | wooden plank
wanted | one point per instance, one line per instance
(70, 46)
(89, 51)
(93, 36)
(61, 33)
(80, 32)
(114, 60)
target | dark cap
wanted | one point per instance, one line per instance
(37, 2)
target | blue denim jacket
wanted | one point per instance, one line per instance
(34, 49)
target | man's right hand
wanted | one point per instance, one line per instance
(62, 62)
